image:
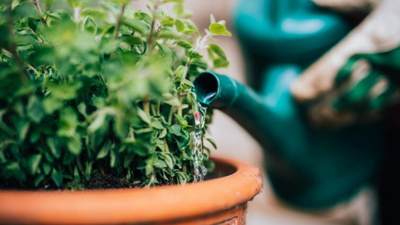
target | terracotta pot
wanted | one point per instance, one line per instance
(216, 201)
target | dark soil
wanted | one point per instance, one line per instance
(97, 181)
(104, 181)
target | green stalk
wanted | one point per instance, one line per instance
(153, 23)
(119, 22)
(78, 162)
(153, 110)
(158, 108)
(13, 48)
(166, 145)
(171, 112)
(151, 180)
(180, 105)
(146, 105)
(36, 3)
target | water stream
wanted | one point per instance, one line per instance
(200, 170)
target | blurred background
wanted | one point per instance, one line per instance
(235, 143)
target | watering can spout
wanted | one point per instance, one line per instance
(250, 109)
(306, 167)
(215, 90)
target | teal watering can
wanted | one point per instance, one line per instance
(307, 167)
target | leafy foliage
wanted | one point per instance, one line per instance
(99, 90)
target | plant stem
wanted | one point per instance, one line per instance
(77, 13)
(187, 67)
(180, 105)
(36, 3)
(78, 162)
(166, 146)
(151, 180)
(158, 108)
(102, 79)
(153, 109)
(146, 106)
(151, 38)
(34, 70)
(121, 15)
(171, 112)
(13, 48)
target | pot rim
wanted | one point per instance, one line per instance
(136, 205)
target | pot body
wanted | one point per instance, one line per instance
(222, 200)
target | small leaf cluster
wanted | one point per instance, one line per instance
(100, 88)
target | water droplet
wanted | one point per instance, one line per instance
(199, 169)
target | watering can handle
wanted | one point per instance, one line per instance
(358, 73)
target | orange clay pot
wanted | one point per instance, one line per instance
(217, 201)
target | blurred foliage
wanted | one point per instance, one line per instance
(99, 88)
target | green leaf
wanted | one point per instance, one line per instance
(73, 3)
(51, 104)
(23, 130)
(157, 124)
(46, 168)
(184, 44)
(104, 150)
(67, 123)
(220, 63)
(89, 25)
(164, 49)
(121, 127)
(168, 159)
(212, 142)
(194, 55)
(33, 163)
(39, 179)
(160, 164)
(74, 144)
(35, 109)
(217, 50)
(140, 149)
(131, 40)
(180, 71)
(180, 26)
(143, 17)
(143, 115)
(178, 131)
(181, 120)
(108, 45)
(186, 82)
(77, 177)
(219, 29)
(97, 122)
(201, 63)
(192, 28)
(212, 18)
(136, 25)
(64, 91)
(57, 177)
(166, 20)
(163, 133)
(88, 170)
(128, 160)
(179, 9)
(113, 159)
(54, 147)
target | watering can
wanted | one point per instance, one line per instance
(308, 167)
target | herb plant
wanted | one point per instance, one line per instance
(99, 88)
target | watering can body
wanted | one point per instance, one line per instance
(307, 167)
